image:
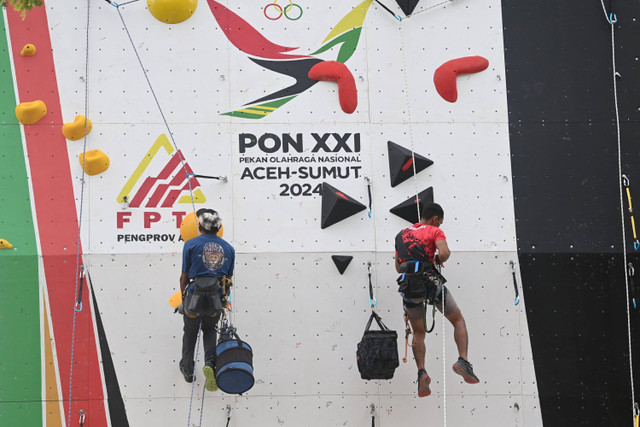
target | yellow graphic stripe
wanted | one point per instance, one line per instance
(161, 142)
(353, 19)
(53, 417)
(254, 110)
(198, 197)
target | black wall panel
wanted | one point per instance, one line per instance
(567, 199)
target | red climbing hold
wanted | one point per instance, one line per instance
(445, 76)
(338, 72)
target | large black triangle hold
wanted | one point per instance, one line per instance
(407, 209)
(407, 6)
(401, 163)
(337, 206)
(341, 262)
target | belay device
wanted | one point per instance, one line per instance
(234, 362)
(377, 352)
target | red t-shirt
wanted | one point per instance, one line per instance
(418, 243)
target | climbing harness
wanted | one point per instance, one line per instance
(626, 184)
(423, 283)
(612, 19)
(398, 17)
(515, 282)
(288, 8)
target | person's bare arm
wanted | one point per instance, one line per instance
(443, 251)
(184, 281)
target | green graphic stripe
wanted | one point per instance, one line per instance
(20, 361)
(259, 111)
(349, 41)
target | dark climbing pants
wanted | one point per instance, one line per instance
(190, 336)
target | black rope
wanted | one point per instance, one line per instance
(398, 17)
(372, 300)
(78, 305)
(193, 175)
(632, 286)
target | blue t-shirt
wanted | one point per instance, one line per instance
(208, 255)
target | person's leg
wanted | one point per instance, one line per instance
(415, 313)
(461, 337)
(189, 339)
(454, 316)
(209, 343)
(209, 337)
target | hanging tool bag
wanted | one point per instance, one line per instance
(377, 352)
(202, 297)
(420, 282)
(234, 362)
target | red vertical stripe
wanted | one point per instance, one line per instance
(56, 214)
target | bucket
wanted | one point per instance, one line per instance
(234, 363)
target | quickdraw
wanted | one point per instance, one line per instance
(372, 299)
(632, 287)
(626, 183)
(407, 332)
(515, 282)
(78, 305)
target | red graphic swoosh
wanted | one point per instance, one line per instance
(245, 37)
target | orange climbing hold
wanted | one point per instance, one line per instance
(338, 72)
(446, 74)
(94, 161)
(29, 113)
(28, 50)
(189, 230)
(76, 130)
(4, 244)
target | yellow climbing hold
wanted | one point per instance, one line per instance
(189, 230)
(28, 113)
(28, 50)
(75, 131)
(5, 245)
(95, 162)
(172, 11)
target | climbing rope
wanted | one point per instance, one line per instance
(187, 174)
(79, 267)
(612, 19)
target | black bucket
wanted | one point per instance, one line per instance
(234, 363)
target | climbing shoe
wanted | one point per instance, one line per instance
(211, 384)
(423, 383)
(464, 368)
(188, 376)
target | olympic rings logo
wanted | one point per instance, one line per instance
(286, 11)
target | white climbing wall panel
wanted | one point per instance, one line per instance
(301, 316)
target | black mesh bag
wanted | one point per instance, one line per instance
(377, 353)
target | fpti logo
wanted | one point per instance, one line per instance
(165, 189)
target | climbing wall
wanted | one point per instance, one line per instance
(213, 95)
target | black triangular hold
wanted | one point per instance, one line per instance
(337, 206)
(407, 6)
(401, 163)
(341, 261)
(407, 209)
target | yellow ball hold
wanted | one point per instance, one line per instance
(28, 50)
(95, 162)
(189, 229)
(75, 131)
(29, 113)
(172, 11)
(5, 244)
